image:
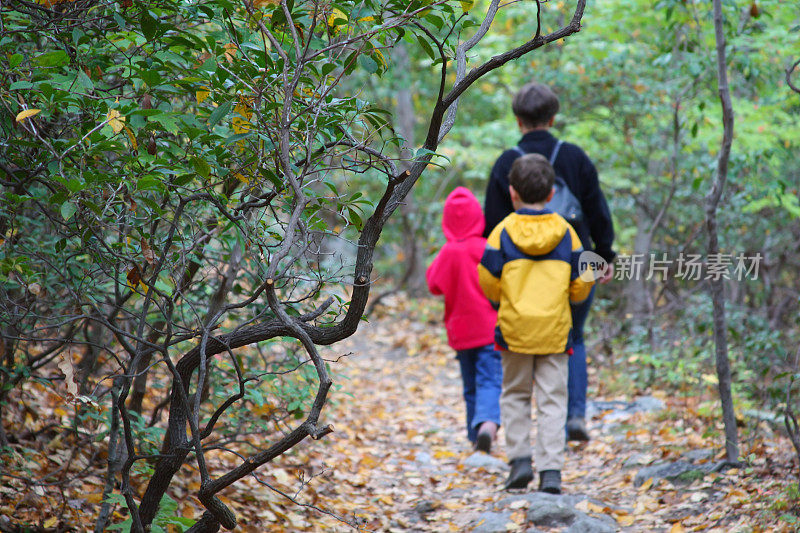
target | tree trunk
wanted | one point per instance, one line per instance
(414, 277)
(717, 285)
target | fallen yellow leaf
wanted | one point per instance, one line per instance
(94, 498)
(625, 520)
(646, 485)
(676, 528)
(51, 522)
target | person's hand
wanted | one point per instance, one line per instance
(608, 274)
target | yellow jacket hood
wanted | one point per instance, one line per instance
(537, 236)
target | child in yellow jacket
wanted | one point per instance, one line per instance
(530, 271)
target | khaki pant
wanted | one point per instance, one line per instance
(548, 374)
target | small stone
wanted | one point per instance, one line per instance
(425, 506)
(482, 460)
(423, 458)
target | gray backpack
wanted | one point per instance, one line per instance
(564, 202)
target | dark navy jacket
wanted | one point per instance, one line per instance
(578, 172)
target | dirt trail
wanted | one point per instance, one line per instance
(399, 459)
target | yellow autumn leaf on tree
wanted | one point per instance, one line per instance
(243, 108)
(22, 115)
(379, 56)
(336, 14)
(230, 52)
(132, 138)
(240, 125)
(466, 5)
(115, 120)
(202, 94)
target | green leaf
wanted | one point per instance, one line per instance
(15, 60)
(327, 68)
(149, 183)
(368, 64)
(355, 218)
(84, 80)
(202, 167)
(74, 185)
(55, 58)
(426, 46)
(237, 137)
(183, 179)
(272, 177)
(149, 25)
(68, 209)
(219, 112)
(207, 11)
(20, 85)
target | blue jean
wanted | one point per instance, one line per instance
(482, 375)
(578, 379)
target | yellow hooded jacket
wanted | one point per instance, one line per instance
(529, 270)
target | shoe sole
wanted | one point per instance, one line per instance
(550, 490)
(578, 438)
(521, 483)
(577, 435)
(484, 442)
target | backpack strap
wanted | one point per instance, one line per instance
(553, 156)
(555, 152)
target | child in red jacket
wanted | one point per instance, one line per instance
(468, 316)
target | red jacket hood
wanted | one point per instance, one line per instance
(462, 216)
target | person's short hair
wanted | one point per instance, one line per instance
(532, 176)
(535, 104)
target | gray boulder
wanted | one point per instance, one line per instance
(536, 499)
(553, 515)
(676, 471)
(588, 524)
(490, 522)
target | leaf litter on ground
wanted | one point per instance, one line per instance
(396, 460)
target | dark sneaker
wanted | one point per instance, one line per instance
(576, 429)
(550, 481)
(486, 434)
(521, 473)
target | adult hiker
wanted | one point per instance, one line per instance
(535, 107)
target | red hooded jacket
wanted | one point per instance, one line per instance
(468, 316)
